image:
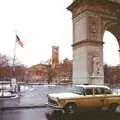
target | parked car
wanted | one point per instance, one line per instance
(84, 96)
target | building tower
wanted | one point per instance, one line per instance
(55, 55)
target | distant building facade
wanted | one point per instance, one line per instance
(7, 73)
(37, 73)
(57, 72)
(64, 71)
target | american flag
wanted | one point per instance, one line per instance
(19, 41)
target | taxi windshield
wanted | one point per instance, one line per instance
(77, 90)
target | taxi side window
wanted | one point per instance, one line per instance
(89, 91)
(107, 91)
(99, 91)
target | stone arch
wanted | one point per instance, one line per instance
(115, 30)
(90, 20)
(110, 49)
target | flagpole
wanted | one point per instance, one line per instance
(14, 56)
(17, 40)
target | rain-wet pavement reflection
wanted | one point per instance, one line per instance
(37, 96)
(44, 114)
(24, 114)
(84, 115)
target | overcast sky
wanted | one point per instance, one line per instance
(41, 24)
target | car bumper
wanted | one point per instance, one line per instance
(53, 106)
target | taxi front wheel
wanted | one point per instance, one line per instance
(70, 108)
(112, 107)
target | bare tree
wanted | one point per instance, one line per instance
(51, 71)
(4, 60)
(6, 68)
(111, 74)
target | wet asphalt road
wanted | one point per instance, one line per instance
(43, 114)
(35, 95)
(38, 96)
(24, 114)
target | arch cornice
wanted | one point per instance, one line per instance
(87, 42)
(108, 8)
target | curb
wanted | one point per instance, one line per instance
(23, 107)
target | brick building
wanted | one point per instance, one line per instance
(53, 71)
(7, 73)
(37, 73)
(55, 55)
(61, 73)
(64, 71)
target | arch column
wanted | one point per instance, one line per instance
(87, 50)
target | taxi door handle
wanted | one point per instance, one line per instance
(101, 100)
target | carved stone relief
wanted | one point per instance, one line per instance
(97, 67)
(93, 25)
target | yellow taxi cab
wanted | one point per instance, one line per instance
(84, 96)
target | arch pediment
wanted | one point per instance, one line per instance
(109, 8)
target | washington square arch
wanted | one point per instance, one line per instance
(91, 18)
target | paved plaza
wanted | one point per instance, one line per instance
(32, 96)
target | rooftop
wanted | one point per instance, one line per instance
(89, 86)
